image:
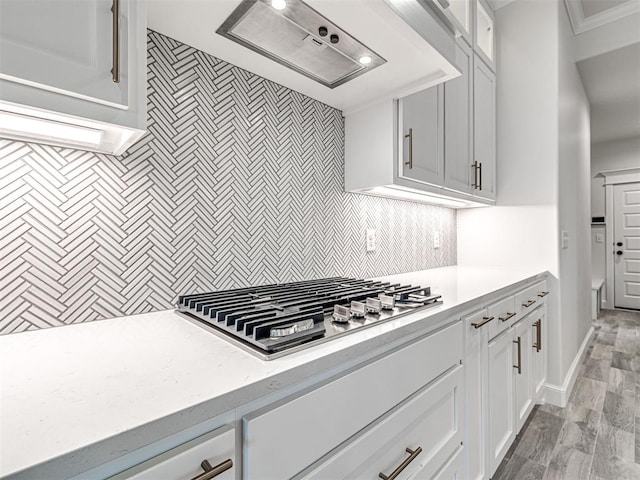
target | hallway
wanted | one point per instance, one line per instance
(597, 436)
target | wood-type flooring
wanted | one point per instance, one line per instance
(597, 436)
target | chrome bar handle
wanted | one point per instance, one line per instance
(410, 137)
(115, 11)
(484, 321)
(507, 317)
(538, 344)
(412, 456)
(480, 172)
(519, 366)
(212, 472)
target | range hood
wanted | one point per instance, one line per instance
(409, 47)
(295, 35)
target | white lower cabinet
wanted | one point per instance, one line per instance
(538, 343)
(282, 440)
(476, 328)
(452, 470)
(213, 452)
(523, 371)
(505, 373)
(418, 439)
(502, 429)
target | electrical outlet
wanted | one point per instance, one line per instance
(599, 237)
(436, 239)
(371, 239)
(565, 239)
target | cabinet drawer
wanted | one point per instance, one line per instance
(505, 315)
(429, 421)
(532, 297)
(541, 290)
(183, 462)
(330, 414)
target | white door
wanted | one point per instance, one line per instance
(65, 46)
(626, 250)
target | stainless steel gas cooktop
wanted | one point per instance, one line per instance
(273, 320)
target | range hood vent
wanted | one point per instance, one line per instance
(298, 37)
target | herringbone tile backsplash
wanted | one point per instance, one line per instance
(239, 181)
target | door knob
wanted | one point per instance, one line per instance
(619, 244)
(619, 252)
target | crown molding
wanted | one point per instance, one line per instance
(580, 24)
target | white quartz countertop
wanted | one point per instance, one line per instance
(84, 394)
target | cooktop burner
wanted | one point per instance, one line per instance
(273, 320)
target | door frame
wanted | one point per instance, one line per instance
(612, 178)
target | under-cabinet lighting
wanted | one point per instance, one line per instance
(415, 196)
(365, 60)
(33, 128)
(279, 4)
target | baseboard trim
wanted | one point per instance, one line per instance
(559, 394)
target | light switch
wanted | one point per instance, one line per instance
(599, 237)
(565, 239)
(436, 239)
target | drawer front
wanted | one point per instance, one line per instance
(531, 298)
(338, 410)
(184, 461)
(542, 290)
(425, 429)
(505, 315)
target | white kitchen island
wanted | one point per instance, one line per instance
(93, 399)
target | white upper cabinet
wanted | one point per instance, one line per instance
(422, 136)
(66, 53)
(457, 15)
(73, 73)
(484, 33)
(484, 131)
(458, 124)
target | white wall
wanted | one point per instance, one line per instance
(615, 155)
(543, 171)
(526, 147)
(574, 198)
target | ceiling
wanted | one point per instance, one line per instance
(612, 83)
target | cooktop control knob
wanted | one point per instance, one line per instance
(358, 309)
(388, 301)
(374, 305)
(341, 314)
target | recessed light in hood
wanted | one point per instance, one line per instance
(300, 38)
